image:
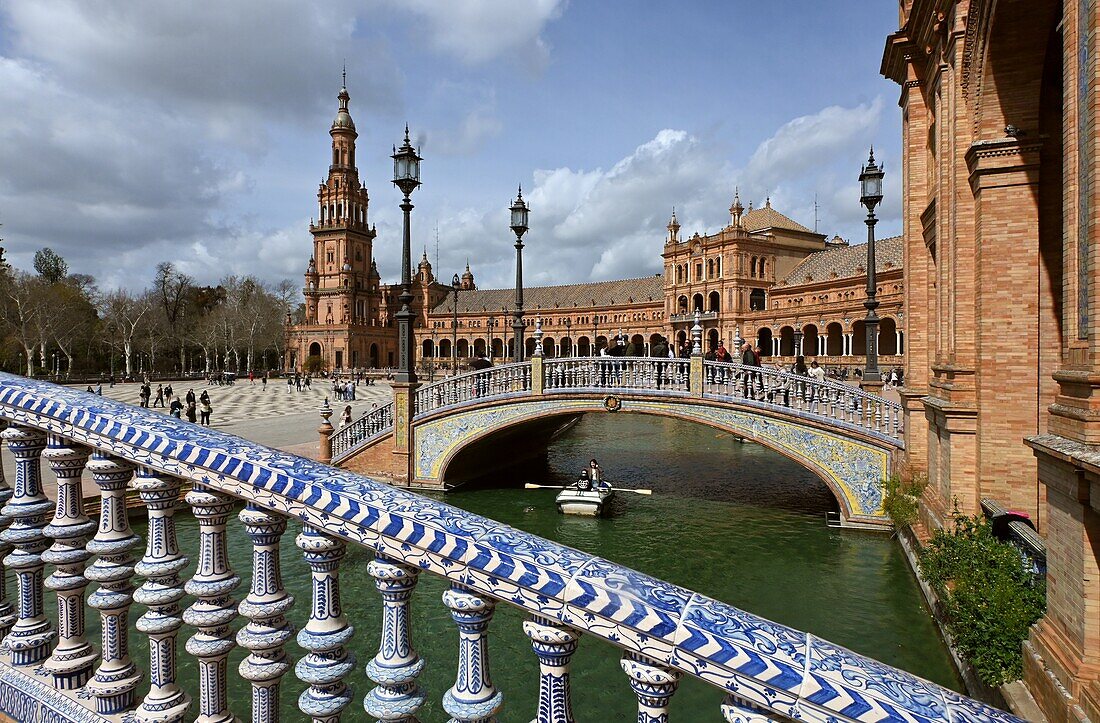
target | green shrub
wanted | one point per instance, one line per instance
(902, 499)
(990, 599)
(314, 364)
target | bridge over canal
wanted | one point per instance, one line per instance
(847, 436)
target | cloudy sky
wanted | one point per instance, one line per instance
(196, 132)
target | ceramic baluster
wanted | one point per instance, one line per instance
(265, 607)
(654, 685)
(116, 678)
(554, 644)
(397, 665)
(327, 661)
(739, 710)
(73, 657)
(30, 637)
(162, 592)
(214, 609)
(472, 699)
(7, 610)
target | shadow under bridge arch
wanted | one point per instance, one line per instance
(853, 466)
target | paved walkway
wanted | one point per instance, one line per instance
(243, 402)
(286, 421)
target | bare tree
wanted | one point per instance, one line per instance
(171, 288)
(123, 313)
(25, 316)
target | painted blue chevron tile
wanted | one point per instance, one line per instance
(841, 680)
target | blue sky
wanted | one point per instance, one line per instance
(197, 132)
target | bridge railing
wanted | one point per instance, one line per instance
(835, 401)
(375, 423)
(49, 670)
(479, 385)
(626, 373)
(832, 401)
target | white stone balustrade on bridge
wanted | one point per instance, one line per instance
(836, 403)
(50, 671)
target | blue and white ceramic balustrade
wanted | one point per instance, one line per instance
(765, 671)
(73, 657)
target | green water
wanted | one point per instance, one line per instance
(732, 521)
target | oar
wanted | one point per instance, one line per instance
(532, 486)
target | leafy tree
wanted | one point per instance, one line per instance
(172, 287)
(124, 313)
(49, 266)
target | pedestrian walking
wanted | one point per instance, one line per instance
(345, 418)
(190, 398)
(263, 381)
(205, 408)
(176, 408)
(168, 394)
(159, 401)
(289, 384)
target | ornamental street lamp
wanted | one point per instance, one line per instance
(491, 323)
(797, 338)
(520, 213)
(454, 327)
(870, 181)
(568, 323)
(406, 176)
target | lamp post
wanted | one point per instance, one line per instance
(568, 323)
(491, 323)
(797, 338)
(870, 181)
(520, 213)
(406, 176)
(454, 327)
(435, 351)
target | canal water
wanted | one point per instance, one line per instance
(731, 520)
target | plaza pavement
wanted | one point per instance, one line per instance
(275, 418)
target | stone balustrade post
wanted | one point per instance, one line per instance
(116, 678)
(7, 610)
(325, 431)
(654, 685)
(73, 657)
(327, 662)
(538, 375)
(265, 607)
(162, 592)
(397, 665)
(214, 609)
(554, 644)
(30, 637)
(472, 699)
(739, 710)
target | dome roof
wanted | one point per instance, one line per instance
(343, 118)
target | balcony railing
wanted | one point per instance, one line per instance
(49, 670)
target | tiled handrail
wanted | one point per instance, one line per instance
(768, 671)
(828, 400)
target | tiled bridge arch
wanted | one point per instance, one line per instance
(846, 437)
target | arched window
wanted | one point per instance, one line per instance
(718, 266)
(752, 268)
(697, 303)
(682, 304)
(714, 301)
(710, 268)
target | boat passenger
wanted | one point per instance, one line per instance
(595, 472)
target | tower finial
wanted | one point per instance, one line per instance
(344, 75)
(871, 158)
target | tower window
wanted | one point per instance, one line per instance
(330, 256)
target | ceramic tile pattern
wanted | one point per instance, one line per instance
(791, 672)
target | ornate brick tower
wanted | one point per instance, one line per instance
(342, 322)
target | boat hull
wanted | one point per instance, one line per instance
(589, 503)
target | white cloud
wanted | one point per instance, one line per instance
(476, 31)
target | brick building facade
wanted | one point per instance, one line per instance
(763, 277)
(999, 109)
